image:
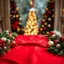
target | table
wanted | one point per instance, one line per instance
(30, 51)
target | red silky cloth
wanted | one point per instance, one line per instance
(31, 54)
(32, 39)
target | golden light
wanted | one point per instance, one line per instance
(18, 29)
(31, 3)
(17, 8)
(17, 16)
(46, 9)
(42, 25)
(45, 23)
(31, 27)
(41, 29)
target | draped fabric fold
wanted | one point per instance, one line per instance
(30, 54)
(32, 39)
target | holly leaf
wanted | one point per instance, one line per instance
(61, 52)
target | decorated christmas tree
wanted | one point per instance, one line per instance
(47, 23)
(31, 26)
(16, 24)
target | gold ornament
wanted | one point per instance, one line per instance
(48, 33)
(41, 29)
(17, 8)
(43, 20)
(18, 29)
(20, 23)
(13, 16)
(45, 23)
(10, 15)
(46, 9)
(17, 16)
(42, 25)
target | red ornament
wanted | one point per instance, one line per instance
(44, 28)
(15, 25)
(55, 41)
(2, 43)
(62, 38)
(46, 14)
(13, 44)
(51, 33)
(14, 12)
(42, 22)
(52, 5)
(13, 5)
(49, 12)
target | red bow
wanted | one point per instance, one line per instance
(15, 25)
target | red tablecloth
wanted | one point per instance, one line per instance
(31, 54)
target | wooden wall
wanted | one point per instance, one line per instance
(5, 14)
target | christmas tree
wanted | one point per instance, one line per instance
(31, 26)
(16, 24)
(47, 23)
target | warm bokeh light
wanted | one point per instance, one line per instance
(31, 27)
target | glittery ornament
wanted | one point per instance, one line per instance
(49, 25)
(50, 43)
(44, 28)
(48, 33)
(18, 29)
(5, 48)
(49, 19)
(17, 16)
(14, 12)
(17, 8)
(41, 29)
(20, 19)
(46, 9)
(56, 41)
(13, 44)
(10, 15)
(49, 12)
(43, 20)
(57, 45)
(42, 25)
(20, 23)
(13, 16)
(45, 23)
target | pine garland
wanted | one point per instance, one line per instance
(56, 43)
(6, 41)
